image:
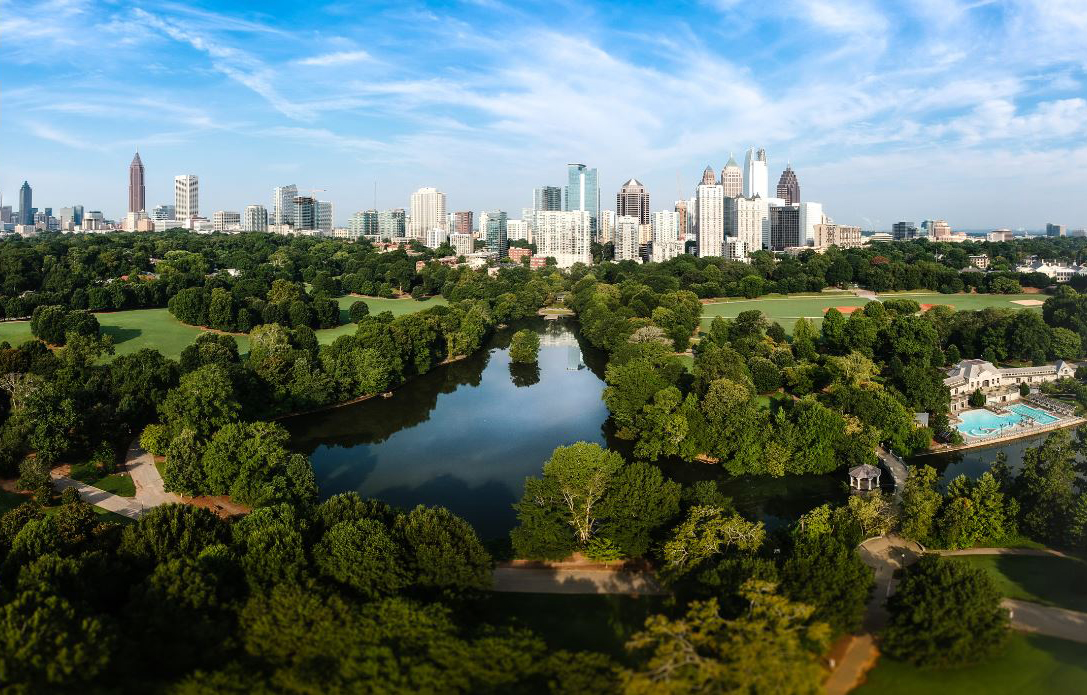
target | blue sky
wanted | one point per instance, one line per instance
(975, 112)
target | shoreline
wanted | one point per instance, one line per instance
(1012, 436)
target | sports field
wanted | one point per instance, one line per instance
(1031, 664)
(787, 309)
(156, 328)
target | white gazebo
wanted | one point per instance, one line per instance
(864, 477)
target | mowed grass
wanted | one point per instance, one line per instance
(786, 310)
(156, 328)
(1054, 581)
(1031, 665)
(117, 483)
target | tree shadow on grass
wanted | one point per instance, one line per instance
(1057, 581)
(121, 334)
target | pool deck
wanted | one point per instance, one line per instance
(1017, 434)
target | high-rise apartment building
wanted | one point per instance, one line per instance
(520, 230)
(186, 197)
(495, 232)
(326, 216)
(547, 198)
(565, 235)
(363, 223)
(26, 204)
(283, 204)
(732, 179)
(811, 214)
(627, 229)
(756, 174)
(255, 218)
(784, 227)
(667, 243)
(711, 218)
(632, 199)
(605, 229)
(137, 194)
(427, 211)
(1055, 229)
(746, 220)
(583, 193)
(463, 244)
(462, 222)
(903, 231)
(226, 221)
(789, 187)
(391, 224)
(681, 215)
(305, 213)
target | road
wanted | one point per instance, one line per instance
(535, 580)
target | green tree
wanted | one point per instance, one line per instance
(184, 472)
(443, 551)
(525, 346)
(204, 401)
(920, 503)
(945, 614)
(639, 501)
(583, 473)
(358, 311)
(977, 399)
(362, 555)
(706, 533)
(829, 575)
(221, 310)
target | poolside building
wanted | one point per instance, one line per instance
(1000, 385)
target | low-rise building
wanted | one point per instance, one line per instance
(999, 385)
(840, 235)
(979, 261)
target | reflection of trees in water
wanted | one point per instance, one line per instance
(524, 374)
(487, 507)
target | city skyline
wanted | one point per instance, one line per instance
(907, 114)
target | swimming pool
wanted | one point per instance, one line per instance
(985, 423)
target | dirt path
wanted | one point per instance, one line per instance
(533, 580)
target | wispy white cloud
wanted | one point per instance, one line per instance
(337, 58)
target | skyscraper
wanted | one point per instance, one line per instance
(746, 221)
(632, 199)
(627, 238)
(732, 178)
(255, 219)
(711, 218)
(681, 219)
(77, 214)
(583, 193)
(564, 236)
(137, 194)
(784, 227)
(26, 203)
(756, 181)
(708, 177)
(305, 213)
(325, 216)
(788, 186)
(427, 211)
(495, 232)
(391, 224)
(283, 204)
(548, 198)
(1055, 229)
(186, 197)
(462, 222)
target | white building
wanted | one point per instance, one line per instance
(736, 250)
(998, 385)
(519, 230)
(255, 219)
(748, 221)
(283, 204)
(564, 235)
(606, 229)
(435, 237)
(1000, 235)
(326, 215)
(427, 211)
(463, 244)
(132, 220)
(710, 216)
(756, 174)
(186, 196)
(667, 243)
(811, 214)
(226, 221)
(627, 238)
(1061, 272)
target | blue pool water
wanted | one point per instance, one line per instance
(983, 423)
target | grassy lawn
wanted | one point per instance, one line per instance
(575, 622)
(10, 500)
(687, 361)
(1050, 580)
(971, 302)
(117, 483)
(1031, 664)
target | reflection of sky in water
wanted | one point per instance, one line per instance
(974, 462)
(477, 445)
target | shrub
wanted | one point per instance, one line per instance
(977, 399)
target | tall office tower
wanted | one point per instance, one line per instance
(746, 221)
(784, 227)
(605, 229)
(186, 197)
(711, 218)
(363, 223)
(5, 215)
(462, 222)
(427, 211)
(495, 232)
(326, 216)
(632, 199)
(283, 204)
(811, 214)
(77, 214)
(626, 238)
(137, 194)
(391, 224)
(681, 216)
(788, 186)
(708, 177)
(226, 221)
(255, 218)
(66, 218)
(26, 204)
(732, 178)
(565, 235)
(305, 213)
(583, 193)
(547, 198)
(756, 174)
(1055, 229)
(904, 231)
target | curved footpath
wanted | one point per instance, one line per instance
(140, 465)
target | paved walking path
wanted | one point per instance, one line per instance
(140, 465)
(1047, 620)
(125, 506)
(1032, 552)
(895, 465)
(536, 580)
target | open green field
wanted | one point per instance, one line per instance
(1031, 665)
(1054, 581)
(593, 622)
(118, 483)
(156, 328)
(786, 310)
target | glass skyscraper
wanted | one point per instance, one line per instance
(496, 232)
(583, 193)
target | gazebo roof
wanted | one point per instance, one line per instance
(864, 471)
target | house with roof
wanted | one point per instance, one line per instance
(1000, 385)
